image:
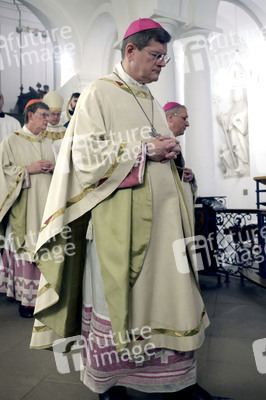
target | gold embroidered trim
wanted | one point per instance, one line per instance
(69, 203)
(138, 93)
(42, 135)
(85, 191)
(53, 135)
(12, 190)
(31, 139)
(44, 289)
(39, 329)
(190, 332)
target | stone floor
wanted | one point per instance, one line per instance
(226, 363)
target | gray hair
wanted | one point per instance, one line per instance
(142, 39)
(175, 109)
(33, 108)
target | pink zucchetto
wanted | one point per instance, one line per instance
(141, 24)
(170, 105)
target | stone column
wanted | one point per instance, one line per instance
(164, 89)
(199, 143)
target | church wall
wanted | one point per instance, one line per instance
(95, 31)
(248, 72)
(36, 62)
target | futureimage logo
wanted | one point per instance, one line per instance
(31, 49)
(101, 350)
(259, 350)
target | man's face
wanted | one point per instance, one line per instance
(54, 117)
(1, 101)
(73, 102)
(144, 67)
(178, 122)
(38, 121)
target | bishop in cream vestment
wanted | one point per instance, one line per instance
(22, 202)
(122, 276)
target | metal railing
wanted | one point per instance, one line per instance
(240, 236)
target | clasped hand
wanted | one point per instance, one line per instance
(40, 167)
(163, 148)
(188, 175)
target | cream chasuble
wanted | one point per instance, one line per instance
(138, 232)
(22, 201)
(18, 150)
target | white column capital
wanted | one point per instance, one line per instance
(170, 25)
(196, 31)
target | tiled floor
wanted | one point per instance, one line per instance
(226, 364)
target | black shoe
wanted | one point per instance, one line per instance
(194, 392)
(198, 393)
(133, 394)
(115, 393)
(221, 398)
(25, 312)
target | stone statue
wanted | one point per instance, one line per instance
(235, 126)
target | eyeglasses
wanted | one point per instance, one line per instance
(178, 115)
(44, 115)
(159, 57)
